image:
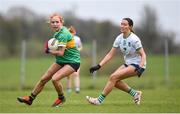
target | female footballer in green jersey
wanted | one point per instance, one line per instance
(67, 61)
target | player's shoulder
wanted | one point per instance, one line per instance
(134, 37)
(64, 33)
(65, 30)
(76, 37)
(120, 36)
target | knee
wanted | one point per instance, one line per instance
(54, 79)
(46, 77)
(113, 78)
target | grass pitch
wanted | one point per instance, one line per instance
(159, 100)
(158, 96)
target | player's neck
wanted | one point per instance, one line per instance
(126, 35)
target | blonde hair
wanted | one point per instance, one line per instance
(58, 15)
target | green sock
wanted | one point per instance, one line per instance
(101, 98)
(132, 92)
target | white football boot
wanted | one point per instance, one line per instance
(92, 100)
(137, 97)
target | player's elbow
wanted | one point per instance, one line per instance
(144, 55)
(60, 53)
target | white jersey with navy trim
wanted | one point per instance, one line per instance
(77, 41)
(128, 47)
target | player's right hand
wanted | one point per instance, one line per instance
(46, 49)
(94, 68)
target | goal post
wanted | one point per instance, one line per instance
(166, 61)
(23, 64)
(94, 59)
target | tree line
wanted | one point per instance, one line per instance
(20, 23)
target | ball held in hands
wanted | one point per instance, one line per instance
(53, 44)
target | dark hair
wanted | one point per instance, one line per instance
(130, 22)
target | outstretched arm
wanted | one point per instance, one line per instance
(108, 56)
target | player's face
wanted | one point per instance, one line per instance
(56, 24)
(124, 26)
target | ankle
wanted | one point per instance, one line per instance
(77, 90)
(61, 96)
(101, 98)
(32, 96)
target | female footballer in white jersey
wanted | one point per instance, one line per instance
(135, 63)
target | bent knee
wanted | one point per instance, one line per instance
(55, 79)
(113, 78)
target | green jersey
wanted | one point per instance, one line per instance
(71, 54)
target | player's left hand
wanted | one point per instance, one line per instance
(139, 71)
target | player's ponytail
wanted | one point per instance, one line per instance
(131, 29)
(72, 30)
(130, 22)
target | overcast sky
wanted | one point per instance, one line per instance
(168, 11)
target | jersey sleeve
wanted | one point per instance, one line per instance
(137, 44)
(78, 41)
(62, 40)
(116, 42)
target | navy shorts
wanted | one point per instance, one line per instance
(136, 67)
(75, 66)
